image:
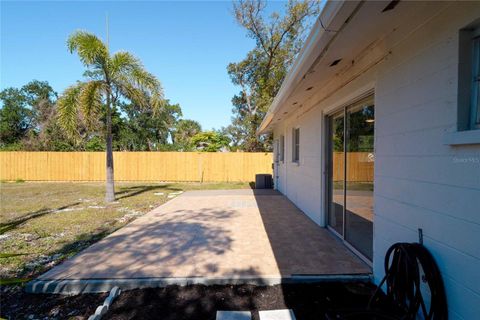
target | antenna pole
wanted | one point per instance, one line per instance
(106, 23)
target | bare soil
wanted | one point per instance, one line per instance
(308, 301)
(17, 304)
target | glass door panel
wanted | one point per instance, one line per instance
(359, 176)
(350, 171)
(337, 173)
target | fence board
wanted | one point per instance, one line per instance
(134, 166)
(159, 166)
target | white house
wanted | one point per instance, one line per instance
(377, 134)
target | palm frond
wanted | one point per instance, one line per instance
(90, 49)
(146, 81)
(129, 74)
(68, 106)
(132, 92)
(123, 62)
(157, 103)
(90, 101)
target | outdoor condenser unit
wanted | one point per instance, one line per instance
(263, 181)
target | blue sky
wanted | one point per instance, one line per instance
(187, 45)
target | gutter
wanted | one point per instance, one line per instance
(329, 23)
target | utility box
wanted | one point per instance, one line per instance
(263, 181)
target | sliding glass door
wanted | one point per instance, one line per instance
(337, 174)
(350, 171)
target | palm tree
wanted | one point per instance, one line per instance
(108, 79)
(184, 131)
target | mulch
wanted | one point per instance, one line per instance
(17, 304)
(308, 301)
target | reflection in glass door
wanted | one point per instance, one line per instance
(350, 167)
(337, 174)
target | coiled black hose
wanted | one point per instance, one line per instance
(407, 266)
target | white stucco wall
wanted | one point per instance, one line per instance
(419, 181)
(302, 182)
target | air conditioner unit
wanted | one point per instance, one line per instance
(263, 181)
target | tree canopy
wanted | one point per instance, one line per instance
(119, 103)
(28, 121)
(210, 141)
(259, 75)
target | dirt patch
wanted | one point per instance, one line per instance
(17, 304)
(308, 301)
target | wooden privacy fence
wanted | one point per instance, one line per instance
(134, 166)
(360, 166)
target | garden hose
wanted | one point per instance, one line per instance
(407, 266)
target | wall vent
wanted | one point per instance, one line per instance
(334, 63)
(391, 5)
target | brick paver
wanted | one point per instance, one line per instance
(234, 233)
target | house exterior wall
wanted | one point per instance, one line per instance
(302, 182)
(419, 181)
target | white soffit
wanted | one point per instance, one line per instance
(355, 27)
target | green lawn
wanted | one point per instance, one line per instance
(43, 223)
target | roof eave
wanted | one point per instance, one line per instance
(316, 42)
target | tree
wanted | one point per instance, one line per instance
(184, 131)
(45, 133)
(210, 141)
(260, 75)
(27, 116)
(145, 130)
(15, 118)
(236, 136)
(108, 79)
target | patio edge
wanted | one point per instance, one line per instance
(72, 287)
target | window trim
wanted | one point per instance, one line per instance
(296, 145)
(475, 79)
(281, 154)
(468, 110)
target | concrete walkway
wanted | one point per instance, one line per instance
(209, 236)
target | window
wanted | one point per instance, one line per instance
(296, 145)
(276, 150)
(475, 96)
(469, 78)
(281, 154)
(468, 101)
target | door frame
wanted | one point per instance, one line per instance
(328, 174)
(276, 162)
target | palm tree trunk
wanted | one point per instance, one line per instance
(110, 187)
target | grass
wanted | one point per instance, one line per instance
(42, 224)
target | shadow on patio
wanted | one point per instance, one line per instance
(300, 246)
(221, 236)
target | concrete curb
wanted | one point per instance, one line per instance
(102, 310)
(67, 286)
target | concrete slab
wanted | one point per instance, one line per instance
(282, 314)
(208, 236)
(234, 315)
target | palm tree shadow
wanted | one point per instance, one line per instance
(128, 192)
(10, 225)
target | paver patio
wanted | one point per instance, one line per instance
(230, 234)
